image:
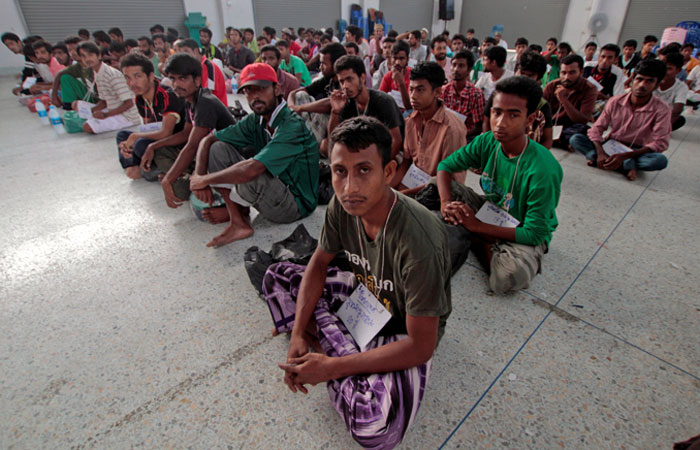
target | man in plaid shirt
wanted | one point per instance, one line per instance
(462, 96)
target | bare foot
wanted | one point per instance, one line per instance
(133, 172)
(274, 332)
(215, 215)
(632, 175)
(591, 163)
(231, 234)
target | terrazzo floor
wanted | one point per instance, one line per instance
(120, 329)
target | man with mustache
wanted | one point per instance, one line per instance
(398, 254)
(572, 99)
(278, 176)
(204, 113)
(640, 120)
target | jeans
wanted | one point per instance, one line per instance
(647, 162)
(140, 147)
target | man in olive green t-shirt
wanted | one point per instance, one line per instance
(521, 181)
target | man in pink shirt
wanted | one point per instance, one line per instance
(639, 120)
(46, 65)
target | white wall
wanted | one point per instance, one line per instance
(238, 13)
(453, 26)
(576, 30)
(212, 10)
(10, 20)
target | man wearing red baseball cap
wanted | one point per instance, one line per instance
(280, 180)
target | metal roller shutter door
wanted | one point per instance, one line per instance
(537, 20)
(55, 20)
(407, 15)
(652, 17)
(301, 13)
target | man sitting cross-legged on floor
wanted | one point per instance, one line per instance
(116, 109)
(204, 113)
(400, 260)
(163, 114)
(432, 131)
(521, 181)
(639, 120)
(279, 177)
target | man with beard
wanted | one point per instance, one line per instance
(147, 47)
(161, 110)
(287, 82)
(46, 65)
(278, 177)
(355, 99)
(572, 99)
(418, 51)
(212, 76)
(209, 50)
(439, 48)
(639, 120)
(204, 113)
(62, 55)
(75, 82)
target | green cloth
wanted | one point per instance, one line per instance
(73, 85)
(253, 45)
(478, 69)
(536, 189)
(296, 65)
(415, 276)
(553, 74)
(290, 152)
(156, 60)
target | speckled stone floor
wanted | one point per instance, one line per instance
(120, 329)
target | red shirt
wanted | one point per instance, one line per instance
(217, 79)
(294, 48)
(388, 84)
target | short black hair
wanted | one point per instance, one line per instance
(573, 59)
(459, 37)
(206, 31)
(522, 41)
(101, 36)
(416, 34)
(522, 87)
(490, 40)
(350, 62)
(651, 68)
(240, 34)
(650, 38)
(565, 45)
(249, 30)
(117, 47)
(89, 47)
(688, 45)
(160, 36)
(429, 71)
(189, 43)
(535, 48)
(467, 55)
(497, 54)
(674, 59)
(553, 39)
(335, 49)
(389, 40)
(271, 48)
(269, 30)
(7, 36)
(173, 31)
(42, 44)
(157, 28)
(591, 44)
(116, 31)
(61, 46)
(183, 64)
(611, 48)
(471, 30)
(630, 43)
(353, 46)
(533, 62)
(438, 38)
(282, 43)
(673, 47)
(84, 32)
(360, 133)
(355, 31)
(400, 46)
(28, 51)
(147, 39)
(72, 40)
(137, 59)
(393, 34)
(131, 43)
(32, 39)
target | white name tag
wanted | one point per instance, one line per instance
(461, 117)
(85, 109)
(613, 147)
(397, 98)
(412, 62)
(363, 315)
(148, 127)
(493, 215)
(556, 131)
(595, 83)
(415, 177)
(29, 82)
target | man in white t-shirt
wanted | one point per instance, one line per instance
(494, 59)
(672, 90)
(500, 41)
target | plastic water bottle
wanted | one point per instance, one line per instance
(56, 120)
(41, 110)
(234, 85)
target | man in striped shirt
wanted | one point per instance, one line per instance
(116, 109)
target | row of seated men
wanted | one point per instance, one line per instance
(384, 149)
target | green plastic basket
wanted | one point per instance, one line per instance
(72, 122)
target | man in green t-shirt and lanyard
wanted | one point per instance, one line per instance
(513, 222)
(397, 251)
(279, 177)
